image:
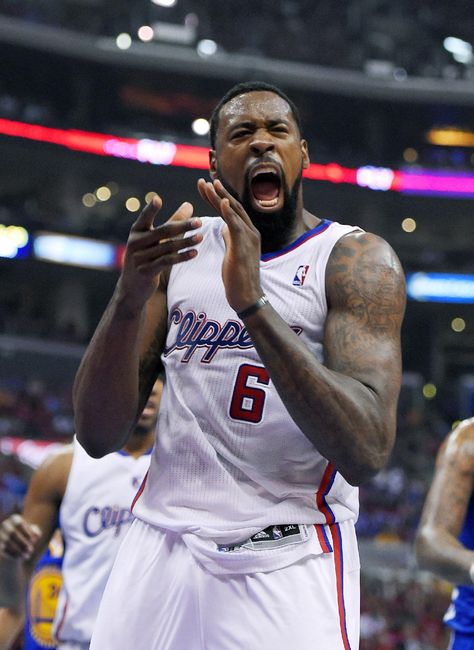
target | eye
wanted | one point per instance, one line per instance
(280, 128)
(240, 133)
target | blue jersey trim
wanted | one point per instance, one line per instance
(122, 452)
(324, 225)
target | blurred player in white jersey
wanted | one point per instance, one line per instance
(90, 500)
(279, 334)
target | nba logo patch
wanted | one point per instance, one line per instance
(300, 275)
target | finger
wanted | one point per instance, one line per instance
(167, 261)
(166, 247)
(19, 532)
(208, 193)
(238, 208)
(169, 230)
(233, 222)
(226, 236)
(16, 545)
(184, 212)
(36, 530)
(147, 216)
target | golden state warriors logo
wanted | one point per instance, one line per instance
(42, 600)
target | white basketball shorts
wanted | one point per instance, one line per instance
(159, 597)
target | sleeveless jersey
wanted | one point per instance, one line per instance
(229, 460)
(42, 598)
(460, 615)
(94, 514)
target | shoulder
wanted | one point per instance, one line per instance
(358, 247)
(363, 264)
(53, 473)
(58, 459)
(458, 448)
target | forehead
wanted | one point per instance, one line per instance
(254, 106)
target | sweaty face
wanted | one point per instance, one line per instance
(259, 158)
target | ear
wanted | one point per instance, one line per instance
(212, 164)
(305, 153)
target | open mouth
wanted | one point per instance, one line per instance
(266, 187)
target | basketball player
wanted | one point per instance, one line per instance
(445, 539)
(91, 498)
(279, 333)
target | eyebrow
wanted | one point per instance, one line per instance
(251, 123)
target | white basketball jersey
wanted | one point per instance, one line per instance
(94, 515)
(229, 460)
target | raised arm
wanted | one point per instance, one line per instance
(437, 546)
(123, 358)
(25, 537)
(345, 406)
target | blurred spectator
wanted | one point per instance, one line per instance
(31, 410)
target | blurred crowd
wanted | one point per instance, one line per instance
(380, 37)
(30, 409)
(403, 613)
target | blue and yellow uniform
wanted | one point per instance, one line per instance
(42, 599)
(460, 615)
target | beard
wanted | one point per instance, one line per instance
(276, 228)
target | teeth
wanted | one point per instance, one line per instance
(264, 171)
(268, 204)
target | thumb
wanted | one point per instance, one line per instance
(226, 236)
(147, 216)
(184, 212)
(36, 530)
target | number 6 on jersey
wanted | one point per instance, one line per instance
(247, 399)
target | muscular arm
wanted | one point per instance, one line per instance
(437, 546)
(21, 546)
(121, 363)
(117, 371)
(346, 406)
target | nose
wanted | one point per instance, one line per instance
(261, 145)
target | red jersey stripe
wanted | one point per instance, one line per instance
(339, 566)
(324, 487)
(140, 490)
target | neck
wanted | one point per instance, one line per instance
(137, 445)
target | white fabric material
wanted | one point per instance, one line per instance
(94, 515)
(214, 472)
(163, 599)
(73, 646)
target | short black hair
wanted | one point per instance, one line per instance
(241, 89)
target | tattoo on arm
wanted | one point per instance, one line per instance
(366, 296)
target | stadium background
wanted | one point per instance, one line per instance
(97, 105)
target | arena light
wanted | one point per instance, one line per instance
(206, 47)
(164, 3)
(123, 41)
(146, 33)
(74, 251)
(450, 137)
(461, 50)
(14, 242)
(161, 152)
(441, 287)
(200, 126)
